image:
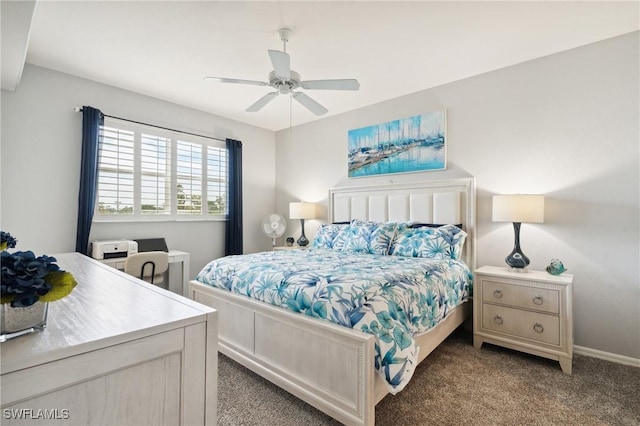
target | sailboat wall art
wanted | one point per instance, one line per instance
(413, 144)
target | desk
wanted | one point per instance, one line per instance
(175, 256)
(116, 351)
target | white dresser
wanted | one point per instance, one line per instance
(530, 311)
(116, 351)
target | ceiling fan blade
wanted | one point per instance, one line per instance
(262, 102)
(340, 84)
(281, 64)
(309, 103)
(237, 81)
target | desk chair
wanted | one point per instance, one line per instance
(149, 266)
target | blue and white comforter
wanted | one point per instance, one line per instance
(390, 297)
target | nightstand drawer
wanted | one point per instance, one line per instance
(527, 325)
(539, 299)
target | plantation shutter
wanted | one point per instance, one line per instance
(216, 180)
(115, 176)
(155, 174)
(189, 178)
(149, 174)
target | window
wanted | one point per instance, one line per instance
(115, 175)
(146, 173)
(155, 175)
(189, 173)
(217, 180)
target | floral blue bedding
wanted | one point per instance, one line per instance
(390, 297)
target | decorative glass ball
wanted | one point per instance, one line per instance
(555, 267)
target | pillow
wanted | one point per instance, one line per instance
(326, 234)
(342, 238)
(382, 237)
(445, 242)
(366, 237)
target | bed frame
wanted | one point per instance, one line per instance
(281, 345)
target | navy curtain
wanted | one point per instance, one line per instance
(233, 234)
(92, 119)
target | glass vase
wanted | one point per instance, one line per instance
(17, 322)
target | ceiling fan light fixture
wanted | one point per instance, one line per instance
(293, 81)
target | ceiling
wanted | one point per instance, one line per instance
(164, 49)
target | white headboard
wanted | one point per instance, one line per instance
(442, 202)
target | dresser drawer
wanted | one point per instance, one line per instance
(539, 299)
(524, 324)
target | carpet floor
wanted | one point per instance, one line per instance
(459, 385)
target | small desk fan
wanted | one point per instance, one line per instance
(274, 226)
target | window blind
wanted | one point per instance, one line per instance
(147, 173)
(189, 191)
(217, 180)
(155, 171)
(115, 171)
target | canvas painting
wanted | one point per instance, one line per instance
(411, 144)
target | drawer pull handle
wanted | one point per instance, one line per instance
(538, 300)
(498, 319)
(538, 328)
(497, 294)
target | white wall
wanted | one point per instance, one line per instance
(565, 126)
(41, 145)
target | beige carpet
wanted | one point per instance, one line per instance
(459, 385)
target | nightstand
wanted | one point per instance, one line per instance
(293, 247)
(530, 311)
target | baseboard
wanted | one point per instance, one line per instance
(607, 356)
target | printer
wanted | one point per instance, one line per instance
(113, 249)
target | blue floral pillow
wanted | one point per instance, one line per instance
(445, 242)
(326, 235)
(382, 237)
(342, 238)
(368, 237)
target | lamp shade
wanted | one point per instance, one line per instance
(518, 208)
(300, 210)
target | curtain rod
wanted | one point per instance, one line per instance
(78, 109)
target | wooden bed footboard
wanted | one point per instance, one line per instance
(299, 353)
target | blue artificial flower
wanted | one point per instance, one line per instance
(25, 278)
(7, 241)
(24, 275)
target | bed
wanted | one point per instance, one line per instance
(280, 345)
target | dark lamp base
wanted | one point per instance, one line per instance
(516, 258)
(303, 241)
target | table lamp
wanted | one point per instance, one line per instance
(301, 210)
(518, 209)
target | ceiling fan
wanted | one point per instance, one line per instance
(285, 81)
